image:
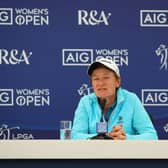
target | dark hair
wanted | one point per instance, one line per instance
(95, 66)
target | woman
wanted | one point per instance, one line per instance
(122, 110)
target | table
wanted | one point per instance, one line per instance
(83, 149)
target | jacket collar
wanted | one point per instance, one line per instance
(120, 95)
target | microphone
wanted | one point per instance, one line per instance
(102, 103)
(102, 126)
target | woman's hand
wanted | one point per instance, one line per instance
(117, 133)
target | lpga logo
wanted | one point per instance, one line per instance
(10, 133)
(162, 51)
(84, 90)
(5, 131)
(166, 128)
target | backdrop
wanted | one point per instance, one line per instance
(46, 46)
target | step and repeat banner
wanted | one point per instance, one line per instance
(47, 45)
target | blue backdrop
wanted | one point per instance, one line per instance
(46, 46)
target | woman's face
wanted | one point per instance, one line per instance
(104, 82)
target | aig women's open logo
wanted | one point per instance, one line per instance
(84, 57)
(24, 16)
(25, 97)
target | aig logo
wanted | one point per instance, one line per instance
(6, 97)
(155, 97)
(154, 18)
(93, 17)
(6, 15)
(77, 57)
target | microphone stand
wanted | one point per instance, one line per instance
(101, 136)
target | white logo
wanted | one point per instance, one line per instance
(6, 16)
(154, 18)
(77, 57)
(166, 128)
(85, 90)
(24, 16)
(14, 56)
(25, 97)
(154, 97)
(84, 57)
(162, 51)
(7, 133)
(119, 56)
(6, 97)
(93, 17)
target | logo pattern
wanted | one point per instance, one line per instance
(154, 18)
(7, 133)
(93, 17)
(6, 16)
(85, 90)
(162, 52)
(154, 97)
(166, 128)
(24, 16)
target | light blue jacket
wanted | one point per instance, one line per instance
(136, 121)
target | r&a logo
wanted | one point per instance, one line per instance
(93, 17)
(14, 56)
